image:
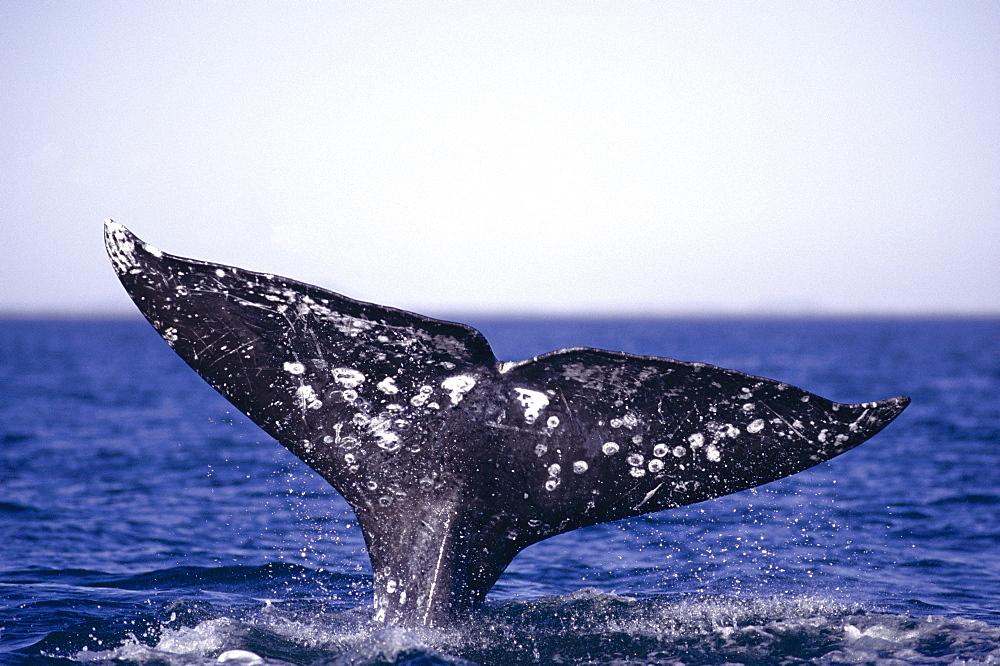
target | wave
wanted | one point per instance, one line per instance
(13, 507)
(235, 577)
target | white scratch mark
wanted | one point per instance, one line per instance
(437, 568)
(649, 496)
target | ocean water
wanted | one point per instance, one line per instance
(143, 520)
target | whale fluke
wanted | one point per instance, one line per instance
(452, 461)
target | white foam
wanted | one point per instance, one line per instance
(769, 629)
(240, 657)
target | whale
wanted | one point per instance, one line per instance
(452, 460)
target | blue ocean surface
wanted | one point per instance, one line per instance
(144, 520)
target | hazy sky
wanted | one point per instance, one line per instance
(543, 157)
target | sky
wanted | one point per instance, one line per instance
(542, 158)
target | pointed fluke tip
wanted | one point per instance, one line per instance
(115, 233)
(121, 245)
(877, 415)
(893, 407)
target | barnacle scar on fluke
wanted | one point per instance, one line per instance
(452, 461)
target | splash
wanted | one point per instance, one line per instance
(586, 626)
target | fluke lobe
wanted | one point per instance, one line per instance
(453, 461)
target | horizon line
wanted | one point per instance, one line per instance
(459, 315)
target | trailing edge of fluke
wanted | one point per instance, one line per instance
(453, 461)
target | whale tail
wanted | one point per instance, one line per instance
(452, 461)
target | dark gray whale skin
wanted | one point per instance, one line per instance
(452, 461)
